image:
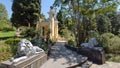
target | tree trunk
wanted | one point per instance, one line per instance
(78, 26)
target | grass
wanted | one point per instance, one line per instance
(113, 57)
(7, 34)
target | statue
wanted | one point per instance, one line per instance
(91, 43)
(25, 50)
(52, 12)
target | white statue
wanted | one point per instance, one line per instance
(91, 43)
(52, 12)
(26, 49)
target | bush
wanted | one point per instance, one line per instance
(5, 48)
(12, 41)
(66, 34)
(114, 45)
(110, 43)
(119, 35)
(38, 41)
(8, 29)
(5, 56)
(72, 42)
(92, 34)
(30, 32)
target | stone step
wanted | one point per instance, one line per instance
(86, 64)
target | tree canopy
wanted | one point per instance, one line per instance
(25, 12)
(4, 22)
(85, 12)
(3, 12)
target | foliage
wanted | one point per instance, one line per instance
(6, 29)
(8, 48)
(5, 56)
(114, 17)
(25, 12)
(113, 57)
(53, 40)
(7, 34)
(44, 47)
(12, 41)
(92, 34)
(114, 45)
(5, 24)
(30, 32)
(3, 12)
(66, 34)
(119, 35)
(72, 42)
(110, 42)
(103, 24)
(38, 41)
(83, 12)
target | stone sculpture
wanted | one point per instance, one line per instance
(25, 50)
(91, 43)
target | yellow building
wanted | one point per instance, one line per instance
(50, 24)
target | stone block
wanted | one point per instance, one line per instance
(34, 61)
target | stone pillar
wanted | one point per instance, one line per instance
(53, 26)
(57, 31)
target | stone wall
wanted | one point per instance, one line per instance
(34, 61)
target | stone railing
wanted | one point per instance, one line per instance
(95, 54)
(34, 61)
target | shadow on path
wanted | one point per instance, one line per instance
(62, 57)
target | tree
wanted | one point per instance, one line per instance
(115, 22)
(25, 12)
(3, 12)
(103, 24)
(83, 12)
(4, 22)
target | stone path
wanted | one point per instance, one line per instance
(62, 57)
(106, 65)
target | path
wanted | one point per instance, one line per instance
(65, 58)
(62, 57)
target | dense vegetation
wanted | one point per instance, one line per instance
(79, 20)
(25, 12)
(90, 18)
(5, 24)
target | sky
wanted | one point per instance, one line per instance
(45, 6)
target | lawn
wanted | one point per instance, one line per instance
(7, 34)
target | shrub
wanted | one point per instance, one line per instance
(8, 29)
(53, 40)
(30, 32)
(38, 41)
(114, 45)
(72, 42)
(110, 42)
(12, 41)
(119, 35)
(5, 56)
(66, 34)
